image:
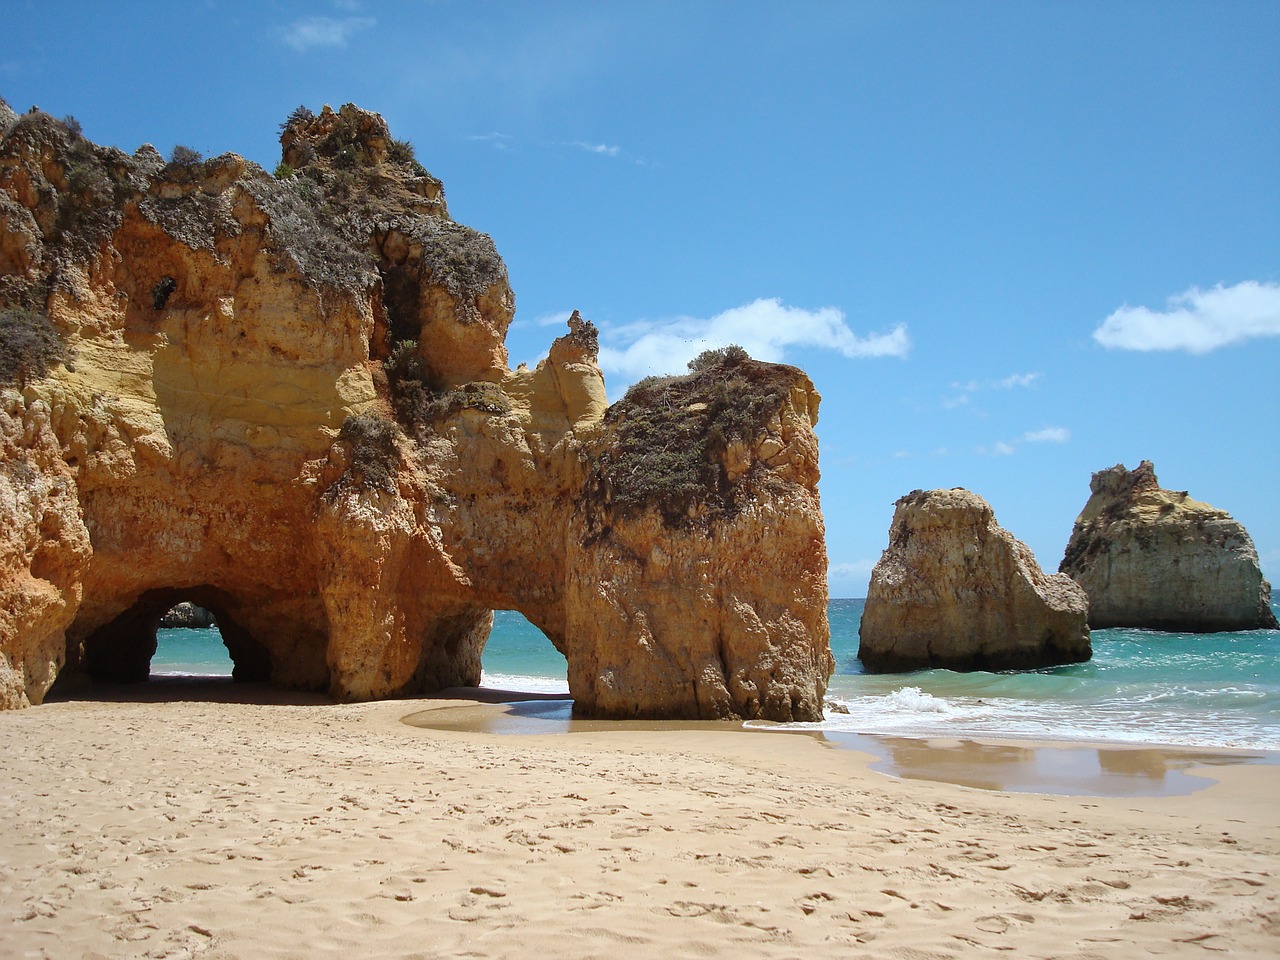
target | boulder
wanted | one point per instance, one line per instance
(1156, 558)
(287, 400)
(188, 615)
(954, 590)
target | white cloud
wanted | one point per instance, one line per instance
(1048, 435)
(1197, 321)
(1017, 380)
(602, 149)
(965, 390)
(764, 328)
(1002, 449)
(307, 32)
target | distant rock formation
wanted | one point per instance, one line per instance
(188, 615)
(1155, 558)
(286, 399)
(954, 590)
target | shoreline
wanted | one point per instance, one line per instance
(1012, 764)
(261, 823)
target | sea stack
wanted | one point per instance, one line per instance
(954, 590)
(286, 399)
(1155, 558)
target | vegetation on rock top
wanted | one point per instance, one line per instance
(669, 435)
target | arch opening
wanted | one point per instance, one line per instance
(520, 656)
(121, 651)
(189, 644)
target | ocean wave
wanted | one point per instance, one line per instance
(911, 711)
(524, 683)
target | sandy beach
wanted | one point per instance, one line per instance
(223, 821)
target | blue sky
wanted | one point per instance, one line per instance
(1012, 243)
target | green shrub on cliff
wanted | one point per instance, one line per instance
(325, 243)
(401, 152)
(462, 260)
(419, 407)
(373, 452)
(670, 434)
(29, 345)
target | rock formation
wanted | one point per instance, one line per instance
(1155, 558)
(287, 400)
(954, 590)
(190, 616)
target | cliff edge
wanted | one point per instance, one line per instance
(287, 400)
(1156, 558)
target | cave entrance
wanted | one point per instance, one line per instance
(122, 651)
(519, 656)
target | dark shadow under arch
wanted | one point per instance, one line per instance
(121, 651)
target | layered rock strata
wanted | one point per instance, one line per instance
(954, 590)
(1156, 558)
(287, 400)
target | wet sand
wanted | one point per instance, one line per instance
(226, 821)
(1068, 769)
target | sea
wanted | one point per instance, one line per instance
(1140, 687)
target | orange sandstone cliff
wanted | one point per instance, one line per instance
(287, 399)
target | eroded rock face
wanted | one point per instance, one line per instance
(955, 590)
(1155, 558)
(713, 605)
(44, 550)
(288, 401)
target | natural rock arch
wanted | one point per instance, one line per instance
(121, 650)
(290, 398)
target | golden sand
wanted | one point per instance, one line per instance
(222, 821)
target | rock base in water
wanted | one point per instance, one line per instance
(956, 591)
(1156, 558)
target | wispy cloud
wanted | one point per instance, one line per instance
(499, 141)
(1017, 380)
(601, 149)
(1196, 320)
(1048, 435)
(1007, 448)
(966, 389)
(307, 32)
(766, 329)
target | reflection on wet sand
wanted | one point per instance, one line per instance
(1075, 771)
(1016, 768)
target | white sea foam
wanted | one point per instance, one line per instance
(524, 683)
(910, 711)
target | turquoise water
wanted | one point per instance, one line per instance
(1141, 686)
(1213, 690)
(184, 652)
